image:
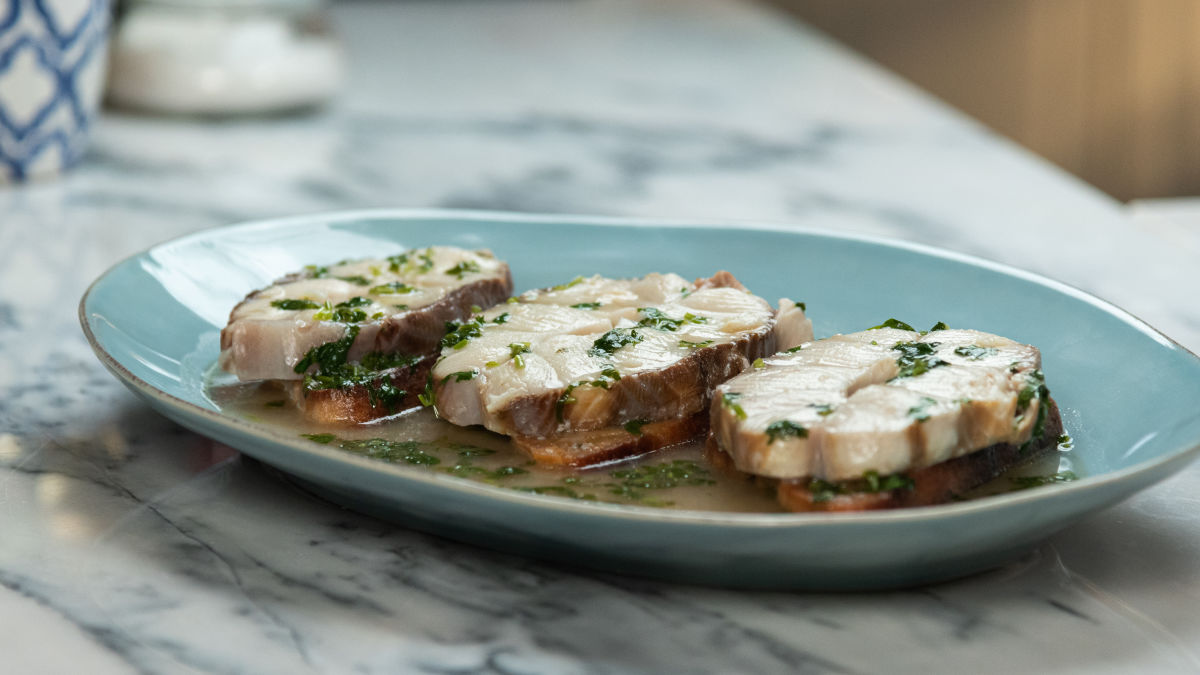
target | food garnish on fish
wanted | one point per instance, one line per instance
(889, 416)
(354, 340)
(604, 354)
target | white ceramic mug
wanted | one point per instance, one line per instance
(52, 62)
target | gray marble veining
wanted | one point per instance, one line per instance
(132, 545)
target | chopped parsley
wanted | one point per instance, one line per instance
(871, 481)
(587, 305)
(291, 304)
(631, 484)
(608, 376)
(613, 340)
(688, 344)
(461, 375)
(609, 373)
(823, 491)
(563, 401)
(759, 364)
(357, 280)
(562, 287)
(343, 312)
(635, 426)
(975, 352)
(662, 476)
(381, 361)
(428, 398)
(392, 288)
(920, 411)
(463, 268)
(655, 318)
(730, 401)
(459, 334)
(403, 262)
(1035, 387)
(371, 373)
(380, 390)
(941, 325)
(896, 481)
(917, 358)
(329, 355)
(515, 351)
(893, 323)
(823, 409)
(410, 452)
(783, 429)
(466, 470)
(793, 350)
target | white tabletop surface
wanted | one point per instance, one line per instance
(128, 544)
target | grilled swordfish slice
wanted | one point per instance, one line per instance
(598, 369)
(355, 340)
(885, 417)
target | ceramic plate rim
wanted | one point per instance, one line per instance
(635, 512)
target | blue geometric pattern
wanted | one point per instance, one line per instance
(55, 47)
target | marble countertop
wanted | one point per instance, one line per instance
(132, 545)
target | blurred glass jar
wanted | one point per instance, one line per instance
(223, 57)
(52, 57)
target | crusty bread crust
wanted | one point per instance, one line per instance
(353, 405)
(598, 446)
(935, 484)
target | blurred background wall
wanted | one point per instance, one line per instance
(1107, 89)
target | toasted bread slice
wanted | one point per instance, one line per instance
(598, 446)
(388, 392)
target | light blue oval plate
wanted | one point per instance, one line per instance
(1129, 395)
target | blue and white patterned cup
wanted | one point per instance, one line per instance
(52, 62)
